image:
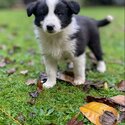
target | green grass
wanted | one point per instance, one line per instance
(59, 104)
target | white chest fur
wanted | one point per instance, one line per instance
(58, 46)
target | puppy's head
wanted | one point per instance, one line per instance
(53, 15)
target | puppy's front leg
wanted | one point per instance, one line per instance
(79, 69)
(51, 70)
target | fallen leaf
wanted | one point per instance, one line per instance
(74, 121)
(5, 61)
(24, 72)
(95, 111)
(31, 82)
(96, 85)
(122, 117)
(2, 64)
(108, 101)
(121, 108)
(34, 94)
(11, 71)
(108, 118)
(121, 86)
(66, 76)
(80, 123)
(120, 99)
(39, 86)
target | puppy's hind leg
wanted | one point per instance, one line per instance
(79, 69)
(95, 47)
(51, 70)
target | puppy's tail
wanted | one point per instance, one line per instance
(105, 21)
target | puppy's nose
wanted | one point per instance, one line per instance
(50, 28)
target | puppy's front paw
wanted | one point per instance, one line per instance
(48, 84)
(79, 81)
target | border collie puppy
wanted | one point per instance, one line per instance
(64, 35)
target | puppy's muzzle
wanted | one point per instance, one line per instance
(50, 28)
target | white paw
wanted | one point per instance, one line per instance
(48, 84)
(101, 67)
(79, 81)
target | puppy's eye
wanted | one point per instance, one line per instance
(59, 13)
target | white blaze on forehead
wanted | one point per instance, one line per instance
(51, 5)
(51, 18)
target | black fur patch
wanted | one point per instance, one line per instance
(74, 7)
(87, 35)
(63, 13)
(41, 12)
(39, 9)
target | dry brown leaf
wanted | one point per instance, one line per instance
(108, 118)
(122, 117)
(63, 76)
(39, 86)
(31, 82)
(34, 94)
(66, 76)
(94, 111)
(107, 101)
(121, 86)
(11, 71)
(24, 72)
(120, 99)
(74, 121)
(96, 85)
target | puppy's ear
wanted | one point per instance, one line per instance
(74, 6)
(31, 8)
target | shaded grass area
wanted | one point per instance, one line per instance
(59, 104)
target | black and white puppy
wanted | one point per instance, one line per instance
(64, 35)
